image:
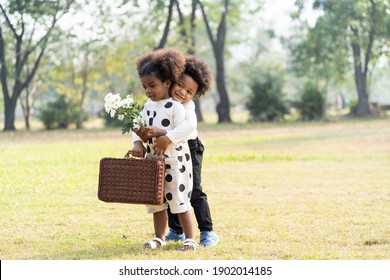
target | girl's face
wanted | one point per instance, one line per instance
(155, 89)
(185, 90)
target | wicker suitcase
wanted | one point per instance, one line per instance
(131, 180)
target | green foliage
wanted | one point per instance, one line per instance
(59, 113)
(266, 100)
(108, 121)
(311, 104)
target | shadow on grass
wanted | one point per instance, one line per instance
(124, 251)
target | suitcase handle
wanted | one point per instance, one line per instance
(129, 152)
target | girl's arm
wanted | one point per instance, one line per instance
(138, 149)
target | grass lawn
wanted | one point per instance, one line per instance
(276, 191)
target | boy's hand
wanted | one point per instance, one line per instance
(161, 145)
(142, 133)
(139, 149)
(152, 131)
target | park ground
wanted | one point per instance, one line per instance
(299, 191)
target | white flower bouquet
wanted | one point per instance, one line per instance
(126, 110)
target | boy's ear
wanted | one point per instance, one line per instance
(168, 83)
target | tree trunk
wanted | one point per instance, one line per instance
(9, 114)
(218, 44)
(198, 111)
(191, 51)
(363, 108)
(223, 107)
(80, 123)
(26, 110)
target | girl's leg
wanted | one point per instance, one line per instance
(160, 220)
(187, 225)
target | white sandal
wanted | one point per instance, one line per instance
(189, 245)
(154, 243)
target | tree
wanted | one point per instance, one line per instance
(318, 57)
(360, 26)
(218, 45)
(187, 37)
(24, 19)
(266, 100)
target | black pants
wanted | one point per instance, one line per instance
(198, 197)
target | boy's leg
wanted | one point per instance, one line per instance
(175, 231)
(199, 198)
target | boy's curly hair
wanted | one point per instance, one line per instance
(165, 64)
(200, 72)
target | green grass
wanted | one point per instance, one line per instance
(287, 191)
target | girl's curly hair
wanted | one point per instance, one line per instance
(200, 72)
(165, 64)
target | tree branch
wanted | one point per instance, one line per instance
(206, 22)
(3, 74)
(163, 40)
(8, 21)
(370, 36)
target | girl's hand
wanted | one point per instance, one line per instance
(161, 145)
(139, 149)
(152, 131)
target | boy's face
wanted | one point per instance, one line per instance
(155, 89)
(185, 90)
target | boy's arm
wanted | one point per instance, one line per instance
(183, 129)
(186, 123)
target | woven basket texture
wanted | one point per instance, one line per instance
(130, 180)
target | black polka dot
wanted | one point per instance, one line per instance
(165, 122)
(189, 194)
(168, 196)
(182, 169)
(167, 166)
(180, 158)
(179, 148)
(182, 188)
(168, 105)
(168, 178)
(188, 157)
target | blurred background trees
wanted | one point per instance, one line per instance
(70, 53)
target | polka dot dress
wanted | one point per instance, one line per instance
(167, 114)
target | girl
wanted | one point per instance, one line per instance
(195, 82)
(158, 70)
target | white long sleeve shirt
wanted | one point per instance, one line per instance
(184, 131)
(187, 129)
